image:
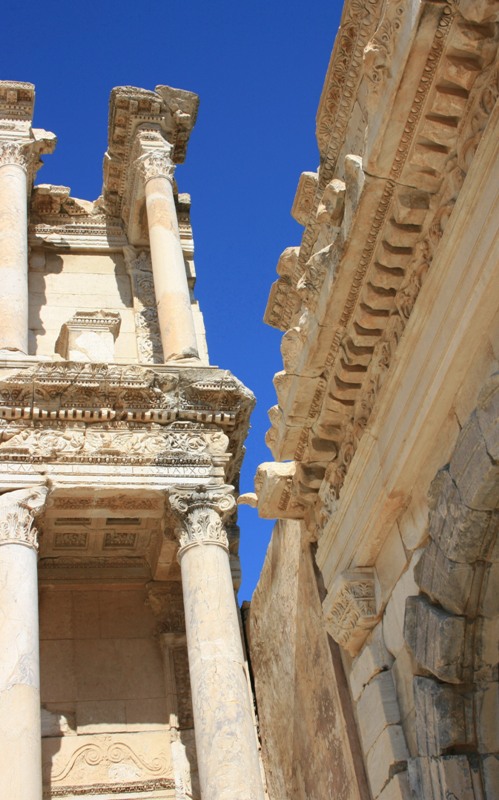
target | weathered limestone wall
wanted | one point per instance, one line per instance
(61, 284)
(309, 744)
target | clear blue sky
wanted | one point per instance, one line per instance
(258, 68)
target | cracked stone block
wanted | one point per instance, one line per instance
(377, 708)
(446, 582)
(444, 717)
(443, 778)
(387, 757)
(487, 715)
(490, 772)
(473, 470)
(397, 789)
(373, 659)
(488, 415)
(436, 639)
(486, 649)
(463, 534)
(489, 596)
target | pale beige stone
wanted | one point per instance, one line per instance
(397, 788)
(393, 619)
(372, 659)
(377, 707)
(388, 755)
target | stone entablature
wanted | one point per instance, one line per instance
(390, 320)
(170, 112)
(64, 412)
(346, 294)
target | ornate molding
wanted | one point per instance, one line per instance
(18, 510)
(138, 264)
(109, 414)
(156, 164)
(201, 514)
(18, 153)
(369, 282)
(170, 113)
(350, 608)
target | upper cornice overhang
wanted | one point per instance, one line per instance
(171, 112)
(109, 396)
(408, 94)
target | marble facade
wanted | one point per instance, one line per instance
(374, 628)
(119, 450)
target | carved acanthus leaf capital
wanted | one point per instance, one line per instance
(18, 510)
(201, 514)
(18, 153)
(156, 164)
(154, 156)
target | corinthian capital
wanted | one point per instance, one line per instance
(156, 164)
(154, 159)
(201, 515)
(18, 510)
(15, 153)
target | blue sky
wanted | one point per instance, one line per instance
(258, 68)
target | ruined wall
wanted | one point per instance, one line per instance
(384, 432)
(309, 744)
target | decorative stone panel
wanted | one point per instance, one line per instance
(350, 609)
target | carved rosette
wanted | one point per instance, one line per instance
(18, 510)
(201, 514)
(350, 609)
(15, 153)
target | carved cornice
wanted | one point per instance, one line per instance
(16, 101)
(170, 112)
(360, 282)
(18, 510)
(107, 414)
(350, 608)
(201, 514)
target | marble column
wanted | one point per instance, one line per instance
(14, 164)
(176, 321)
(20, 730)
(226, 742)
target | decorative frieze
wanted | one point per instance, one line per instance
(18, 510)
(138, 264)
(368, 283)
(201, 515)
(351, 608)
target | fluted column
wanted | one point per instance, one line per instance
(226, 741)
(176, 321)
(20, 731)
(14, 165)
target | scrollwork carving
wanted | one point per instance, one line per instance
(351, 609)
(201, 515)
(15, 153)
(18, 510)
(156, 164)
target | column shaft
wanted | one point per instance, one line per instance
(228, 762)
(13, 258)
(20, 732)
(175, 316)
